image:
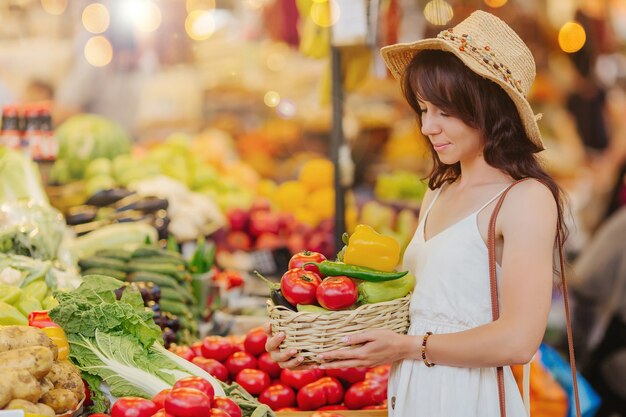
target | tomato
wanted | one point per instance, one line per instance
(253, 380)
(325, 391)
(216, 412)
(333, 407)
(298, 379)
(162, 413)
(87, 402)
(133, 407)
(379, 373)
(237, 342)
(337, 293)
(198, 383)
(278, 396)
(299, 286)
(266, 364)
(228, 405)
(364, 393)
(184, 352)
(160, 397)
(299, 259)
(239, 361)
(216, 347)
(213, 367)
(350, 375)
(255, 341)
(197, 349)
(187, 402)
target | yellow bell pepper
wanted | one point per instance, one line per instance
(54, 331)
(370, 249)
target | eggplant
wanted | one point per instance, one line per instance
(107, 197)
(142, 204)
(81, 214)
(276, 294)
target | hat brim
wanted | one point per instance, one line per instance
(398, 57)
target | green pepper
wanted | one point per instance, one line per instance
(37, 290)
(378, 292)
(49, 303)
(310, 308)
(10, 315)
(334, 269)
(9, 293)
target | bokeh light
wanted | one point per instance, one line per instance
(54, 7)
(286, 109)
(438, 12)
(204, 5)
(150, 19)
(271, 99)
(495, 3)
(572, 37)
(96, 18)
(200, 25)
(98, 51)
(325, 13)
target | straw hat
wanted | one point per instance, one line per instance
(490, 48)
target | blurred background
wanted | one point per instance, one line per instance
(224, 108)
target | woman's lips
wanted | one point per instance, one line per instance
(440, 146)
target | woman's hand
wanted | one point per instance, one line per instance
(288, 359)
(377, 347)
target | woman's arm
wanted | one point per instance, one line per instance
(527, 223)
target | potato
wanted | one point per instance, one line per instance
(23, 405)
(16, 337)
(65, 375)
(61, 400)
(46, 385)
(45, 410)
(18, 384)
(35, 359)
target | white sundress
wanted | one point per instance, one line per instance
(452, 294)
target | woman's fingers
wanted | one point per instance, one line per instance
(292, 363)
(273, 342)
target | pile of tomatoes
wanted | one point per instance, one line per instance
(303, 284)
(189, 397)
(245, 361)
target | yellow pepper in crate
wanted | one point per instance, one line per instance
(366, 247)
(54, 331)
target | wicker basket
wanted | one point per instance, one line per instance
(314, 333)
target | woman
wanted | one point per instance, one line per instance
(468, 87)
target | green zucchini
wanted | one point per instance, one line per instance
(104, 263)
(151, 251)
(163, 281)
(159, 268)
(108, 272)
(122, 255)
(174, 307)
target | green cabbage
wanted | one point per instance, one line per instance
(86, 137)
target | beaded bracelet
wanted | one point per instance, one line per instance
(426, 336)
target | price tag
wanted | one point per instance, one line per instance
(12, 413)
(271, 262)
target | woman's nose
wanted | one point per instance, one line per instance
(429, 126)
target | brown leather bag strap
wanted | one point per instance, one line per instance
(495, 305)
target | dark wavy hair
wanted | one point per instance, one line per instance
(442, 79)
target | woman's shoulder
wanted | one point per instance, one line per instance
(530, 201)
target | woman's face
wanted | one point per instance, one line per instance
(451, 138)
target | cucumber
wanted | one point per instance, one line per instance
(108, 272)
(177, 262)
(151, 251)
(174, 307)
(177, 294)
(163, 281)
(100, 262)
(159, 268)
(122, 255)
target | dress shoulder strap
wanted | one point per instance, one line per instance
(432, 203)
(492, 199)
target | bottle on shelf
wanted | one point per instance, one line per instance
(10, 135)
